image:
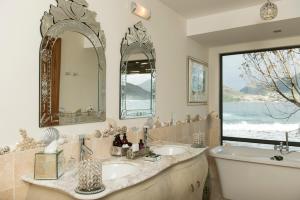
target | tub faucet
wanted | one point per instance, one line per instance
(282, 147)
(85, 152)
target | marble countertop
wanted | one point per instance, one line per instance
(68, 182)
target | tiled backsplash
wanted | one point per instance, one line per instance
(17, 164)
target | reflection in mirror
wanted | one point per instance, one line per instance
(79, 91)
(137, 95)
(72, 66)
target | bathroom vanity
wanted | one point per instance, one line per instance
(180, 174)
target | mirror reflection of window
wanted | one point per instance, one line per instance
(137, 79)
(138, 84)
(138, 87)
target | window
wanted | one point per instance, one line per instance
(260, 96)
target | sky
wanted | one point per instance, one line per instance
(231, 71)
(138, 79)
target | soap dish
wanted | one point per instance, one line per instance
(152, 157)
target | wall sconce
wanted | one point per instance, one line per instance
(140, 11)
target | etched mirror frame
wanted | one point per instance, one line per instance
(136, 38)
(68, 15)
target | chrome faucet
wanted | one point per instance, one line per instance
(85, 152)
(282, 147)
(146, 134)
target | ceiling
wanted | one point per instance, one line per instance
(256, 32)
(197, 8)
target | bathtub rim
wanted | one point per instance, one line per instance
(215, 153)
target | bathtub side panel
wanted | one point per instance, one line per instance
(249, 181)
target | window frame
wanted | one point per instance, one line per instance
(238, 139)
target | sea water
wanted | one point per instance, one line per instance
(260, 120)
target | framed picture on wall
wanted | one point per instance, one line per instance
(197, 82)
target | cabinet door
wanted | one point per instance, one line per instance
(154, 189)
(201, 171)
(187, 179)
(181, 184)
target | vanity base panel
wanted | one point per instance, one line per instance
(36, 192)
(182, 181)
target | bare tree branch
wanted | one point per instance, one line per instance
(277, 72)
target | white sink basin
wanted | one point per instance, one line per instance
(112, 171)
(169, 150)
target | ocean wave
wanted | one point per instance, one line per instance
(272, 127)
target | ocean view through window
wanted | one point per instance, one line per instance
(260, 96)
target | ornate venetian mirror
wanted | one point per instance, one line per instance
(72, 65)
(137, 77)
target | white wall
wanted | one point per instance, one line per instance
(214, 62)
(19, 72)
(80, 90)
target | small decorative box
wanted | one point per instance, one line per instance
(118, 151)
(133, 155)
(48, 166)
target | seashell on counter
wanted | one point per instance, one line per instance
(4, 150)
(98, 134)
(157, 123)
(27, 143)
(49, 135)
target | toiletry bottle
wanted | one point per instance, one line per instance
(141, 144)
(124, 140)
(117, 141)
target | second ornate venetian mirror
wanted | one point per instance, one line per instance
(137, 77)
(72, 65)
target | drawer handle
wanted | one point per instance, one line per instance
(198, 184)
(192, 188)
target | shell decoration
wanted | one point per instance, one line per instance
(196, 118)
(27, 143)
(149, 123)
(188, 119)
(4, 150)
(157, 123)
(49, 135)
(98, 134)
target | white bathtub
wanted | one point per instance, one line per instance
(249, 174)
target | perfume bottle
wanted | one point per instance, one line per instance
(117, 141)
(124, 139)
